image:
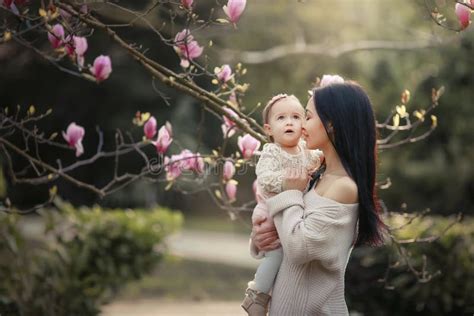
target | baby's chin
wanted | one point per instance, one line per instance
(287, 143)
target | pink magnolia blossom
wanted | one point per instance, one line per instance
(172, 167)
(163, 141)
(84, 9)
(227, 131)
(56, 36)
(330, 79)
(464, 15)
(233, 99)
(69, 46)
(182, 37)
(186, 160)
(199, 163)
(150, 128)
(229, 170)
(187, 3)
(186, 47)
(234, 9)
(248, 145)
(12, 5)
(224, 73)
(228, 128)
(231, 189)
(227, 120)
(190, 52)
(73, 136)
(7, 3)
(80, 45)
(192, 161)
(102, 68)
(76, 47)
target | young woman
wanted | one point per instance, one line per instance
(318, 228)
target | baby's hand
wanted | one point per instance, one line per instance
(321, 157)
(295, 179)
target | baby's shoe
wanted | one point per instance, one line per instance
(255, 303)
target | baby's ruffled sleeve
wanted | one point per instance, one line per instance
(314, 157)
(268, 170)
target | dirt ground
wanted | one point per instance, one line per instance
(153, 307)
(196, 245)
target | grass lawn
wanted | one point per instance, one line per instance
(218, 224)
(181, 279)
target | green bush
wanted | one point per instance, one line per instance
(449, 292)
(80, 259)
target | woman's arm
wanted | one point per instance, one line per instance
(308, 235)
(264, 237)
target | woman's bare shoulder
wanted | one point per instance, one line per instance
(343, 190)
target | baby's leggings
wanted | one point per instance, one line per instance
(267, 270)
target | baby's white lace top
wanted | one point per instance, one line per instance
(273, 162)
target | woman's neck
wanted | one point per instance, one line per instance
(332, 161)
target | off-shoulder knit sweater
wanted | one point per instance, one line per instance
(317, 235)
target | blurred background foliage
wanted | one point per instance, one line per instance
(72, 261)
(435, 173)
(448, 264)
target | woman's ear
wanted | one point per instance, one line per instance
(330, 128)
(331, 133)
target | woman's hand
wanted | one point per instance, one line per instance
(264, 235)
(295, 179)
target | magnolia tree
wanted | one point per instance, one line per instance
(67, 26)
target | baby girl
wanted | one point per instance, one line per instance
(283, 119)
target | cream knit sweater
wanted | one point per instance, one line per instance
(317, 235)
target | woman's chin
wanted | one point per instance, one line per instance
(309, 144)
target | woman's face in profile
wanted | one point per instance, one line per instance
(314, 132)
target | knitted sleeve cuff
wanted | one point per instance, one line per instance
(284, 200)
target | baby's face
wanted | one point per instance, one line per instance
(285, 122)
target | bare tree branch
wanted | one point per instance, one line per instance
(172, 79)
(300, 47)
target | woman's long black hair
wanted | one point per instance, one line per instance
(346, 112)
